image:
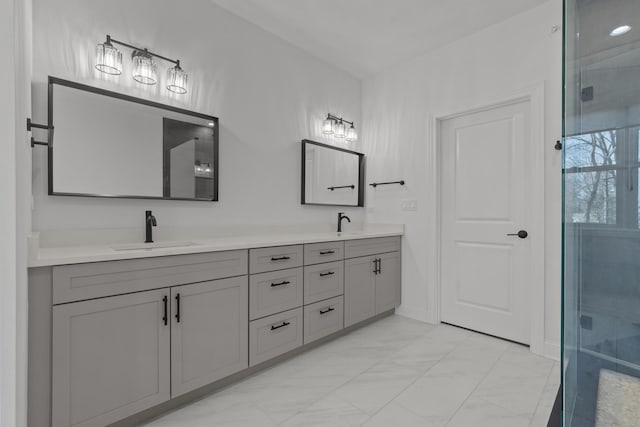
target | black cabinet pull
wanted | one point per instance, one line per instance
(282, 258)
(286, 282)
(376, 266)
(379, 265)
(329, 273)
(327, 252)
(328, 310)
(282, 325)
(178, 308)
(165, 317)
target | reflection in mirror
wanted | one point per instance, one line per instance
(331, 175)
(188, 160)
(106, 144)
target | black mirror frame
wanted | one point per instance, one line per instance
(61, 82)
(361, 173)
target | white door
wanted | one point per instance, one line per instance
(485, 185)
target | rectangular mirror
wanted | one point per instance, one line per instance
(106, 144)
(331, 175)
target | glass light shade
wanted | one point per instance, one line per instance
(327, 127)
(108, 59)
(144, 69)
(352, 135)
(340, 130)
(618, 31)
(177, 80)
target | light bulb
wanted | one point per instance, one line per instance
(340, 130)
(144, 68)
(352, 135)
(108, 59)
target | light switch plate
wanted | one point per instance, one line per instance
(410, 205)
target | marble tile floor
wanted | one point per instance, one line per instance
(395, 372)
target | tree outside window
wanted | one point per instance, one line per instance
(601, 178)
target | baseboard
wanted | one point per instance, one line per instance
(552, 350)
(414, 314)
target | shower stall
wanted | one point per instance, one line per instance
(601, 228)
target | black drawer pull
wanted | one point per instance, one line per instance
(286, 282)
(282, 258)
(165, 317)
(327, 252)
(178, 308)
(282, 325)
(328, 310)
(330, 273)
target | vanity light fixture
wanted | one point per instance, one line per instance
(177, 79)
(336, 126)
(327, 126)
(340, 130)
(352, 135)
(108, 58)
(144, 68)
(109, 61)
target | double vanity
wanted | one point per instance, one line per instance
(122, 328)
(121, 333)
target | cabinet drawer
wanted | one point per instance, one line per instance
(275, 292)
(274, 335)
(276, 258)
(366, 247)
(323, 281)
(100, 279)
(317, 253)
(323, 318)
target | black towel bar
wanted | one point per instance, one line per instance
(375, 184)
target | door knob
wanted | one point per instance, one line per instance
(521, 234)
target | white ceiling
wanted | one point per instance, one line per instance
(365, 37)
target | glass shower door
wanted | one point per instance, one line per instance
(601, 278)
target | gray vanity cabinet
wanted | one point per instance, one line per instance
(388, 282)
(115, 338)
(111, 358)
(209, 332)
(359, 289)
(371, 283)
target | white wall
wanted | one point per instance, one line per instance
(477, 70)
(7, 220)
(267, 94)
(15, 218)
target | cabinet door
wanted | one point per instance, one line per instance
(110, 358)
(388, 282)
(209, 332)
(359, 290)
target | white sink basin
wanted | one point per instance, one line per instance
(151, 246)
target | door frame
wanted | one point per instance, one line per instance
(535, 96)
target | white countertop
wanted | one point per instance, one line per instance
(95, 252)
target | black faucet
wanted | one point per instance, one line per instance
(342, 216)
(151, 222)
